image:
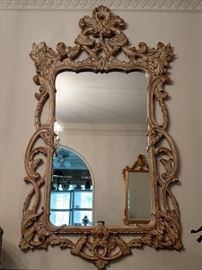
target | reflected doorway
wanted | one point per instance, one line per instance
(71, 200)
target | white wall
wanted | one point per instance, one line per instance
(18, 30)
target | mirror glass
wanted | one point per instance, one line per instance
(88, 97)
(103, 118)
(139, 200)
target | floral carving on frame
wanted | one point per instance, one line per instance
(102, 40)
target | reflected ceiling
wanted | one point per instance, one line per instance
(101, 98)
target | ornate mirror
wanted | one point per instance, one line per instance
(60, 165)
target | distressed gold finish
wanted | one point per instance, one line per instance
(140, 165)
(101, 40)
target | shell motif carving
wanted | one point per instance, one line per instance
(102, 41)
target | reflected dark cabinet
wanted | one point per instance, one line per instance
(1, 235)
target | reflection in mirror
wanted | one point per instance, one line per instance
(111, 98)
(139, 201)
(138, 195)
(71, 199)
(103, 117)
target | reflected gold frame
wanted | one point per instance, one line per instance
(101, 40)
(140, 165)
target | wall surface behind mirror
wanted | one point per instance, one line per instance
(18, 30)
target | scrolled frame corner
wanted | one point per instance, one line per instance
(101, 39)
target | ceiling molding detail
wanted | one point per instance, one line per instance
(104, 129)
(139, 5)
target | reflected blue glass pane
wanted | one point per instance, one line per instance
(59, 218)
(82, 217)
(60, 200)
(83, 199)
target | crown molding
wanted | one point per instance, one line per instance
(104, 129)
(139, 5)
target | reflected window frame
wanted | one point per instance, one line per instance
(72, 209)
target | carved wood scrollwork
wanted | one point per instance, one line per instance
(102, 40)
(140, 165)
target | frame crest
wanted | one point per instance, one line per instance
(101, 40)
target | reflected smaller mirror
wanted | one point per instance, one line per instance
(138, 197)
(71, 200)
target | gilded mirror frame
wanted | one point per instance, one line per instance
(140, 166)
(102, 40)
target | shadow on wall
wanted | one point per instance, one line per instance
(1, 235)
(8, 256)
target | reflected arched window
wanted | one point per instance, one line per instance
(71, 201)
